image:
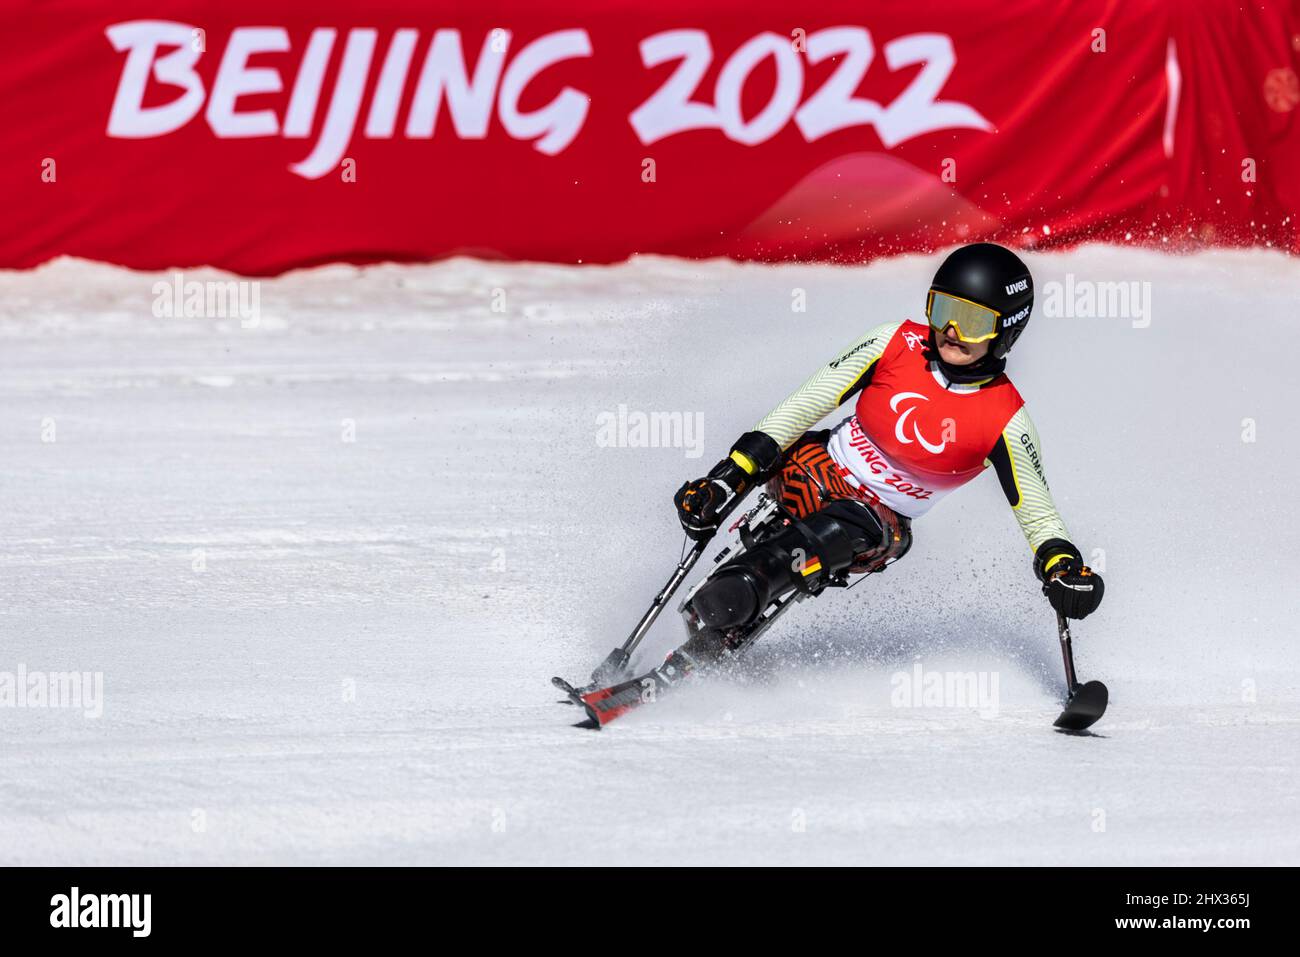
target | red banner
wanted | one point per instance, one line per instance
(159, 134)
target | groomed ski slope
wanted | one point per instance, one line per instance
(201, 533)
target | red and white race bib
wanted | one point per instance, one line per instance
(913, 437)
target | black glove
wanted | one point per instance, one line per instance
(700, 502)
(1073, 588)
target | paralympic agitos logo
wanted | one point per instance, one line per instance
(441, 95)
(901, 424)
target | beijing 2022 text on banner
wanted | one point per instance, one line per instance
(158, 133)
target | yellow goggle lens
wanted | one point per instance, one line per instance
(973, 322)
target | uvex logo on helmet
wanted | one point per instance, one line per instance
(1016, 287)
(1012, 320)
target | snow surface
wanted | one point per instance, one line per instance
(475, 539)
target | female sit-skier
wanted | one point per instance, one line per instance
(933, 409)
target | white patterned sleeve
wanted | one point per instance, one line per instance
(827, 388)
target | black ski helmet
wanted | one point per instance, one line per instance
(994, 277)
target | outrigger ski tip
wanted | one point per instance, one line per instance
(1085, 702)
(564, 686)
(1083, 707)
(603, 705)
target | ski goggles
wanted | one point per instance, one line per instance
(973, 322)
